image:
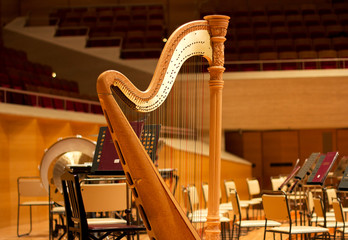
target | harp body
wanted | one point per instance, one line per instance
(161, 213)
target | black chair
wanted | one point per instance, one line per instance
(76, 217)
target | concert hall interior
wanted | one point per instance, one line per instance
(258, 110)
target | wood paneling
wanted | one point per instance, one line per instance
(342, 141)
(275, 152)
(252, 151)
(22, 144)
(258, 101)
(280, 148)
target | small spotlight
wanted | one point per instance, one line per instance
(54, 74)
(164, 40)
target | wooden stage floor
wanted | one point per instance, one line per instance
(40, 232)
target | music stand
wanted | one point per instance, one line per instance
(320, 173)
(343, 185)
(301, 174)
(106, 160)
(150, 138)
(340, 169)
(322, 169)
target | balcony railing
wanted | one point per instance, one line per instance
(44, 100)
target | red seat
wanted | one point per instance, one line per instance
(327, 54)
(248, 64)
(269, 56)
(288, 55)
(309, 58)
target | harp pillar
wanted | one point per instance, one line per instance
(218, 29)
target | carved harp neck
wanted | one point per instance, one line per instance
(162, 215)
(191, 39)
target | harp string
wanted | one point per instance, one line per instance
(193, 119)
(181, 118)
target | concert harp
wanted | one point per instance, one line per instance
(161, 213)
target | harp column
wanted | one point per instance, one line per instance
(218, 29)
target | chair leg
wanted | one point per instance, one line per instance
(222, 230)
(239, 229)
(232, 230)
(30, 221)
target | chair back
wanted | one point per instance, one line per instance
(310, 204)
(205, 189)
(235, 203)
(31, 187)
(331, 194)
(104, 197)
(276, 207)
(254, 187)
(276, 182)
(339, 214)
(186, 198)
(229, 185)
(318, 207)
(74, 209)
(193, 196)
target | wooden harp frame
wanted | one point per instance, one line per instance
(161, 213)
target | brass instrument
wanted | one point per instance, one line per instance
(161, 213)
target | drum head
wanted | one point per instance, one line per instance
(66, 151)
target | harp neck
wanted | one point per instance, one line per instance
(192, 39)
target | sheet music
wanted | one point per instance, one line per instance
(290, 176)
(307, 165)
(106, 160)
(343, 186)
(322, 168)
(340, 169)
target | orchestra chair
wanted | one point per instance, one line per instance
(325, 221)
(312, 212)
(238, 220)
(29, 190)
(276, 182)
(231, 185)
(340, 218)
(223, 207)
(282, 213)
(56, 217)
(80, 199)
(331, 194)
(199, 216)
(254, 194)
(56, 224)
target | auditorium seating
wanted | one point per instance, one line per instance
(311, 31)
(279, 27)
(111, 25)
(32, 84)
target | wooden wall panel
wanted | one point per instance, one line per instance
(252, 151)
(22, 144)
(260, 101)
(342, 142)
(280, 152)
(4, 175)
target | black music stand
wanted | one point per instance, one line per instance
(322, 169)
(320, 173)
(341, 166)
(149, 139)
(290, 176)
(343, 185)
(299, 178)
(106, 160)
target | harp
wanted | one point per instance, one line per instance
(161, 213)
